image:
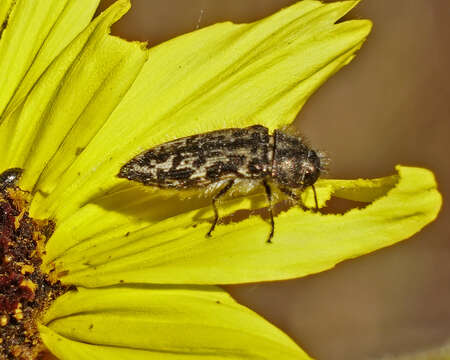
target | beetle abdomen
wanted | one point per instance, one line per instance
(203, 159)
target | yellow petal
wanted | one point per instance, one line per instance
(176, 250)
(221, 76)
(36, 33)
(160, 322)
(71, 101)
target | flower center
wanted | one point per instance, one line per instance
(25, 292)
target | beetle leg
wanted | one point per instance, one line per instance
(298, 200)
(222, 192)
(294, 197)
(269, 199)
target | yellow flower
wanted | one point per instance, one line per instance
(77, 103)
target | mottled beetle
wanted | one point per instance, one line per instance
(9, 178)
(224, 157)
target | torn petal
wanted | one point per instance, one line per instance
(176, 250)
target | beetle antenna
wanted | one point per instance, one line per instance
(315, 197)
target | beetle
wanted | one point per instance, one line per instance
(222, 158)
(9, 178)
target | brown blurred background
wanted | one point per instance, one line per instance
(389, 106)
